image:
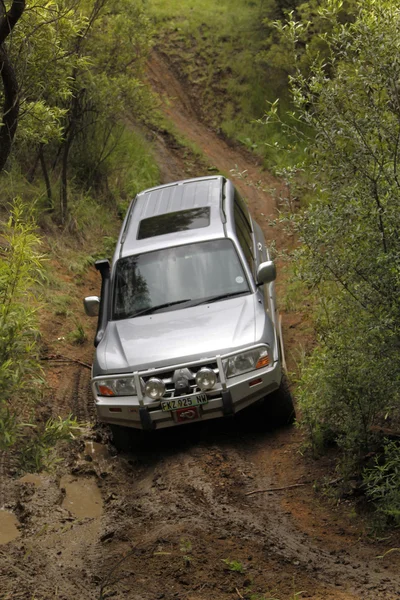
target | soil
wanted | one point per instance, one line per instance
(215, 511)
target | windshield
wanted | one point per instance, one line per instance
(174, 278)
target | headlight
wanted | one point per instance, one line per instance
(246, 361)
(206, 379)
(154, 388)
(116, 387)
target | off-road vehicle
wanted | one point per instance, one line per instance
(188, 327)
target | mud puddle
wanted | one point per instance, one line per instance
(8, 527)
(82, 497)
(96, 451)
(34, 478)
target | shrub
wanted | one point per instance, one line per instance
(349, 239)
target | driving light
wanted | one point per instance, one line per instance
(246, 361)
(154, 388)
(121, 386)
(206, 379)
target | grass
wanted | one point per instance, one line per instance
(61, 304)
(186, 550)
(233, 565)
(78, 335)
(132, 166)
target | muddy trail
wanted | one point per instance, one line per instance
(223, 510)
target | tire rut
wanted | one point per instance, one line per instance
(199, 492)
(74, 394)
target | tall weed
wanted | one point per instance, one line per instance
(38, 450)
(20, 271)
(383, 484)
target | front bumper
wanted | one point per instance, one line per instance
(227, 399)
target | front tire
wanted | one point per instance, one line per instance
(122, 437)
(278, 407)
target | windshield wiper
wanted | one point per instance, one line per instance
(152, 309)
(220, 297)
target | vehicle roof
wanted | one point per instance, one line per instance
(173, 197)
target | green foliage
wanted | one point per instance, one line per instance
(233, 565)
(383, 485)
(348, 232)
(20, 270)
(117, 161)
(38, 452)
(298, 34)
(186, 550)
(61, 304)
(40, 51)
(9, 427)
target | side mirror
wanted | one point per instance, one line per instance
(266, 272)
(92, 306)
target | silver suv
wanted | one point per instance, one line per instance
(188, 328)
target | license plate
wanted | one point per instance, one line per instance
(184, 402)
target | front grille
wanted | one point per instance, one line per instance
(168, 377)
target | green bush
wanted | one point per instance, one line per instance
(115, 168)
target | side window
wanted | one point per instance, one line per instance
(241, 205)
(243, 230)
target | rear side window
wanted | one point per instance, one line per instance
(243, 230)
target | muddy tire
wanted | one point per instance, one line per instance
(121, 437)
(278, 407)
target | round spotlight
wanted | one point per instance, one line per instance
(206, 379)
(154, 388)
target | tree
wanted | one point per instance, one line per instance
(8, 20)
(79, 66)
(112, 49)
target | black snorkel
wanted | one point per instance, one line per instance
(104, 267)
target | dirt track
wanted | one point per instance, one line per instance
(172, 519)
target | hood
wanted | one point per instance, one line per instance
(177, 336)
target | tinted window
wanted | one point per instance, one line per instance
(243, 230)
(241, 206)
(173, 222)
(190, 272)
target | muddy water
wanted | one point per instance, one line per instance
(96, 451)
(82, 497)
(34, 478)
(8, 527)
